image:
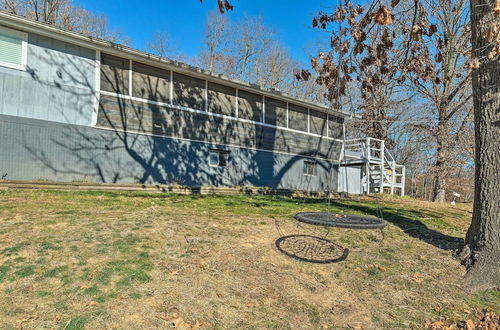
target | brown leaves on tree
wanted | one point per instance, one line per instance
(492, 33)
(383, 16)
(496, 9)
(474, 63)
(303, 75)
(224, 5)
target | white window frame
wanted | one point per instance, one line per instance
(219, 153)
(24, 49)
(306, 166)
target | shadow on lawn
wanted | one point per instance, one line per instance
(414, 228)
(312, 249)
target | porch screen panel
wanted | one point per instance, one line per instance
(221, 99)
(249, 106)
(189, 92)
(297, 117)
(335, 127)
(150, 83)
(275, 112)
(317, 122)
(114, 74)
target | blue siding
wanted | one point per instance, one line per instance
(41, 150)
(58, 85)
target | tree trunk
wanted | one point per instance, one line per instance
(441, 165)
(439, 187)
(481, 252)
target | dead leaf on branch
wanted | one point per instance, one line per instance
(474, 63)
(494, 52)
(432, 30)
(496, 9)
(359, 48)
(383, 16)
(394, 3)
(492, 32)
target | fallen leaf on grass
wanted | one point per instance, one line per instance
(93, 303)
(417, 277)
(163, 316)
(83, 287)
(197, 325)
(29, 318)
(58, 317)
(469, 325)
(180, 323)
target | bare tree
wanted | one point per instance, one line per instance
(437, 71)
(217, 29)
(162, 46)
(65, 14)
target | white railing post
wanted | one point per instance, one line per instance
(393, 176)
(368, 154)
(403, 179)
(382, 166)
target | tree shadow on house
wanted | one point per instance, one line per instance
(153, 142)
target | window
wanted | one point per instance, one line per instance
(221, 99)
(150, 83)
(335, 126)
(309, 167)
(298, 117)
(249, 106)
(114, 74)
(13, 48)
(275, 112)
(189, 91)
(317, 122)
(218, 157)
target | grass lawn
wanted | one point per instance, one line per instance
(75, 260)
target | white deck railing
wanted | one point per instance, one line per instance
(382, 173)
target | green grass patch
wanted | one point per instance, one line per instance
(25, 271)
(4, 269)
(54, 272)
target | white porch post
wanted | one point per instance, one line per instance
(382, 167)
(368, 152)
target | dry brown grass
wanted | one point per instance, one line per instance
(107, 260)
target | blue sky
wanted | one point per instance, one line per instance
(184, 20)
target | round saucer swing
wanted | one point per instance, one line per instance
(318, 249)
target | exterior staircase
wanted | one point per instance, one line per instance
(379, 171)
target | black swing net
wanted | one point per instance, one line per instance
(313, 247)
